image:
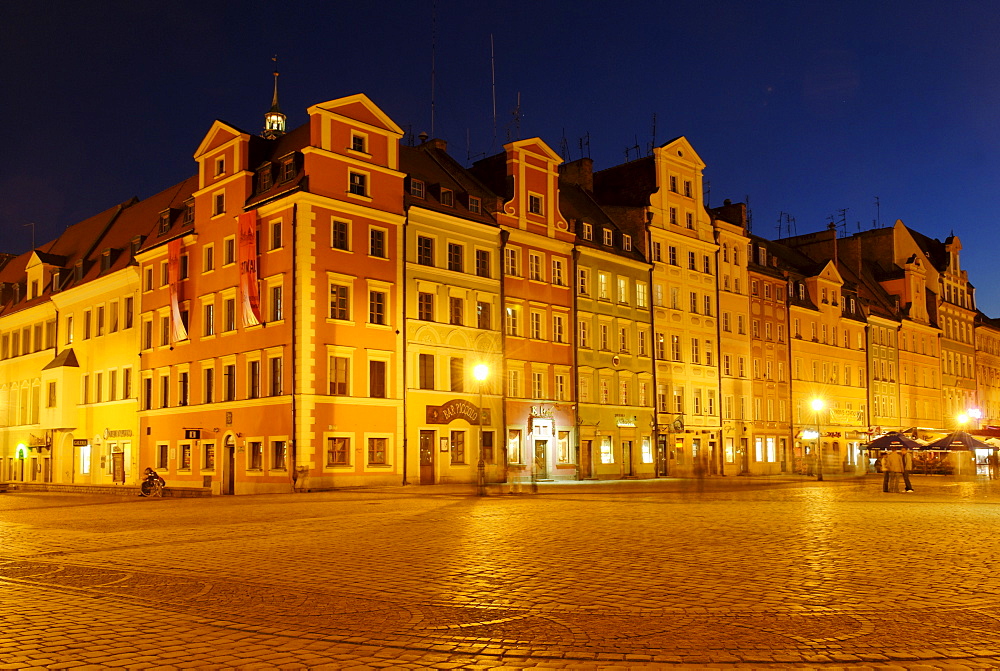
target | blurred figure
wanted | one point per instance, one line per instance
(907, 456)
(892, 467)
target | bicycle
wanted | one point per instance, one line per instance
(152, 485)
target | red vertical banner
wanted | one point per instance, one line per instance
(178, 331)
(249, 288)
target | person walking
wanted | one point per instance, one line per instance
(892, 466)
(907, 456)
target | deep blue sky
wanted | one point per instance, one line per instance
(806, 107)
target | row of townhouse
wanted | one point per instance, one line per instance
(332, 306)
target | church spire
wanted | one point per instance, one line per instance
(274, 120)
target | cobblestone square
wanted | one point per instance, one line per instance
(725, 572)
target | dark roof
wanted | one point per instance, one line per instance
(65, 358)
(627, 184)
(577, 204)
(430, 163)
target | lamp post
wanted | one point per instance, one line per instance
(817, 405)
(481, 372)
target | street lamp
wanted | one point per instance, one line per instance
(481, 372)
(817, 405)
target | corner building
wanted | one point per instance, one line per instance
(271, 312)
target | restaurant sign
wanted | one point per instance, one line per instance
(456, 409)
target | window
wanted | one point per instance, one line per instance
(535, 267)
(276, 235)
(338, 450)
(447, 197)
(340, 367)
(456, 309)
(692, 261)
(583, 281)
(50, 401)
(376, 450)
(689, 219)
(687, 188)
(558, 328)
(265, 178)
(229, 309)
(641, 294)
(627, 242)
(643, 346)
(376, 307)
(657, 251)
(256, 456)
(87, 318)
(456, 374)
(623, 290)
(229, 380)
(276, 304)
(673, 215)
(425, 371)
(511, 262)
(588, 231)
(376, 243)
(584, 334)
(208, 326)
(537, 385)
(183, 388)
(228, 251)
(456, 257)
(339, 235)
(602, 286)
(219, 204)
(482, 315)
(253, 379)
(602, 330)
(276, 378)
(557, 272)
(164, 391)
(425, 306)
(672, 255)
(608, 236)
(358, 143)
(208, 259)
(475, 205)
(706, 264)
(147, 393)
(279, 455)
(513, 320)
(623, 340)
(534, 204)
(338, 301)
(693, 302)
(535, 325)
(482, 263)
(358, 184)
(675, 347)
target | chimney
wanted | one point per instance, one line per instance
(579, 172)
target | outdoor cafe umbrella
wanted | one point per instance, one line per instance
(893, 441)
(959, 440)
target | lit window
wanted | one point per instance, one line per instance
(358, 184)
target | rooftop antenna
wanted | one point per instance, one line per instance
(781, 216)
(842, 222)
(585, 142)
(652, 143)
(878, 213)
(433, 55)
(564, 146)
(749, 214)
(32, 224)
(707, 188)
(516, 113)
(493, 75)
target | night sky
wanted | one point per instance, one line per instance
(808, 108)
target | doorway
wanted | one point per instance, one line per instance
(627, 458)
(229, 466)
(541, 459)
(586, 469)
(427, 457)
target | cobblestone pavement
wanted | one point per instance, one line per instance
(732, 572)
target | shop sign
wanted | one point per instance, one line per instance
(622, 420)
(36, 441)
(192, 434)
(456, 409)
(542, 411)
(117, 433)
(80, 442)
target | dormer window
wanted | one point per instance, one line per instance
(189, 212)
(105, 260)
(136, 244)
(265, 179)
(447, 197)
(78, 270)
(34, 288)
(417, 188)
(288, 169)
(588, 231)
(164, 221)
(475, 205)
(608, 236)
(627, 242)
